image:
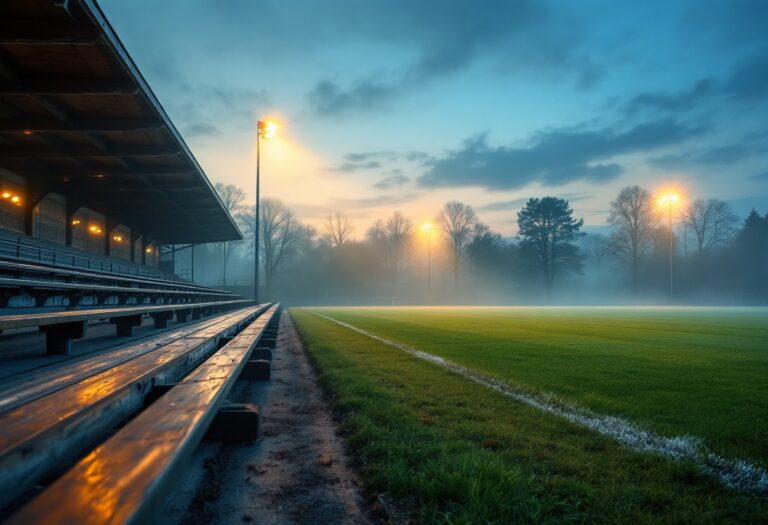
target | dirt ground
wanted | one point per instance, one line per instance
(296, 472)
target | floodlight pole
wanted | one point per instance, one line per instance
(256, 223)
(429, 261)
(671, 246)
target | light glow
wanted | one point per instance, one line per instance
(267, 129)
(669, 199)
(95, 229)
(427, 227)
(6, 195)
(75, 222)
(15, 199)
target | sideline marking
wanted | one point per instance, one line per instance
(737, 474)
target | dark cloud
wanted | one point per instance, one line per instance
(515, 204)
(370, 155)
(391, 182)
(674, 102)
(352, 167)
(554, 158)
(446, 36)
(203, 129)
(719, 156)
(760, 177)
(747, 81)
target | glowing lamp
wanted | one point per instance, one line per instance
(267, 129)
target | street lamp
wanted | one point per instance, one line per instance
(427, 227)
(668, 200)
(266, 130)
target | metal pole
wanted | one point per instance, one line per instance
(192, 256)
(429, 261)
(671, 243)
(256, 232)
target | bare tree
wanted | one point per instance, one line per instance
(397, 234)
(280, 235)
(233, 198)
(338, 228)
(457, 221)
(635, 221)
(377, 233)
(711, 221)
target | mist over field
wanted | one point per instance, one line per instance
(718, 258)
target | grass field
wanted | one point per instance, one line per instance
(450, 450)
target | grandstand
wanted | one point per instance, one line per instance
(94, 178)
(95, 181)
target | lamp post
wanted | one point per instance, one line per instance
(266, 129)
(427, 227)
(668, 200)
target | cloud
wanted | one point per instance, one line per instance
(373, 202)
(201, 129)
(443, 37)
(555, 157)
(719, 156)
(391, 182)
(519, 203)
(747, 81)
(352, 167)
(760, 177)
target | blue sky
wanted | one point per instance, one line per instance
(408, 104)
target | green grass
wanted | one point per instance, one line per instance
(678, 371)
(449, 450)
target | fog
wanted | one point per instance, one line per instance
(717, 257)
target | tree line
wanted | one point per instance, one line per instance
(716, 256)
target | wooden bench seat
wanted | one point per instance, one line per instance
(123, 480)
(33, 268)
(63, 326)
(43, 284)
(35, 385)
(39, 436)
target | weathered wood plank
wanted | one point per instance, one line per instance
(35, 386)
(50, 318)
(39, 436)
(122, 480)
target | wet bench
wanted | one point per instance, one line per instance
(42, 434)
(25, 269)
(127, 477)
(63, 326)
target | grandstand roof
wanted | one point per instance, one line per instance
(77, 118)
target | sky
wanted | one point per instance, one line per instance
(405, 104)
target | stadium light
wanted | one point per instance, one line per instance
(669, 199)
(266, 129)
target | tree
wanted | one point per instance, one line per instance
(753, 244)
(397, 232)
(232, 197)
(338, 228)
(549, 231)
(280, 235)
(711, 221)
(635, 222)
(457, 221)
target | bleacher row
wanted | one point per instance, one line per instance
(105, 436)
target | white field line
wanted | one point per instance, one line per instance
(737, 474)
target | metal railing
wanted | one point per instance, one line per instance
(19, 249)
